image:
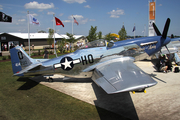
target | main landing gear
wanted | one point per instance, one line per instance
(50, 79)
(142, 90)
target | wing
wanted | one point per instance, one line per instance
(120, 75)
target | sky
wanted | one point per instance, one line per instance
(108, 15)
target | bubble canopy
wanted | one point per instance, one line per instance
(95, 43)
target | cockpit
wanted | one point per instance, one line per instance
(95, 43)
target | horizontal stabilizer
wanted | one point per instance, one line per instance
(32, 66)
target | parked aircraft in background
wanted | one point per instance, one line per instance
(110, 65)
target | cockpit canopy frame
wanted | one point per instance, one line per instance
(94, 44)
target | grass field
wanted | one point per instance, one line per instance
(24, 99)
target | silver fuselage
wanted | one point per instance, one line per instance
(88, 57)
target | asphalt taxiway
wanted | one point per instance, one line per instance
(161, 101)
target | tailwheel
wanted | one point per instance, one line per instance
(50, 79)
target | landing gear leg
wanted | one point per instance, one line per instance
(50, 79)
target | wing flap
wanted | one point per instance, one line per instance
(120, 76)
(102, 82)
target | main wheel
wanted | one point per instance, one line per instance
(50, 80)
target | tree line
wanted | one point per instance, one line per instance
(93, 35)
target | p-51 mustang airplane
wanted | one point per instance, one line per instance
(110, 65)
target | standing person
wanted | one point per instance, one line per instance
(46, 54)
(11, 46)
(5, 47)
(21, 45)
(32, 46)
(2, 47)
(67, 46)
(70, 46)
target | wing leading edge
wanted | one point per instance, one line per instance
(121, 75)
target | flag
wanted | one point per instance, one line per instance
(5, 18)
(134, 29)
(75, 21)
(33, 20)
(58, 21)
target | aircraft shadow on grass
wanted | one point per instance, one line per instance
(28, 83)
(120, 105)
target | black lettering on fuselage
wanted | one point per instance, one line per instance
(90, 58)
(85, 61)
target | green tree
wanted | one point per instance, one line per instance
(109, 37)
(92, 34)
(71, 40)
(100, 35)
(61, 45)
(122, 34)
(50, 39)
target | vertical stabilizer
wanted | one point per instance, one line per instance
(19, 59)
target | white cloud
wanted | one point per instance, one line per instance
(66, 21)
(84, 21)
(160, 4)
(22, 20)
(61, 14)
(92, 20)
(34, 14)
(73, 1)
(87, 6)
(116, 13)
(50, 13)
(78, 17)
(36, 5)
(1, 7)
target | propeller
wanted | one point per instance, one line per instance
(156, 29)
(166, 28)
(165, 31)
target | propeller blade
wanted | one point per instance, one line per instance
(156, 29)
(167, 49)
(166, 27)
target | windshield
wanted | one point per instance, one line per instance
(93, 44)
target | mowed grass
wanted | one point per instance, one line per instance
(24, 99)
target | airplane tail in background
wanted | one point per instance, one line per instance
(19, 59)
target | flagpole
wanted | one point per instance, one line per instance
(28, 33)
(72, 24)
(54, 34)
(144, 30)
(134, 31)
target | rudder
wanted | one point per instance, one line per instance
(19, 59)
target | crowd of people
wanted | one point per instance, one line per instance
(68, 46)
(4, 46)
